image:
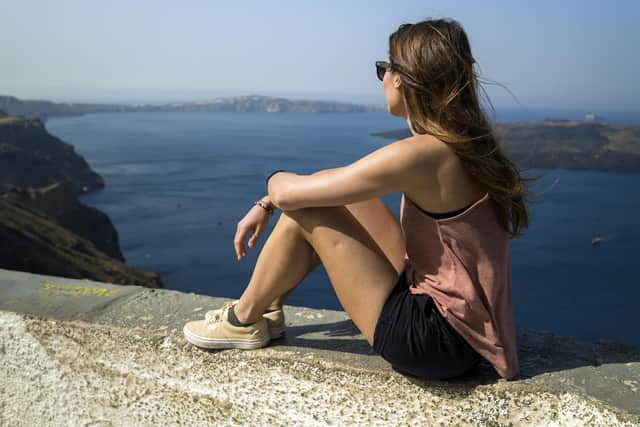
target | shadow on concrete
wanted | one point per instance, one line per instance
(336, 336)
(543, 352)
(539, 352)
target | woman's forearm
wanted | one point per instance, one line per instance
(266, 199)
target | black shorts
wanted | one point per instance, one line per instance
(412, 335)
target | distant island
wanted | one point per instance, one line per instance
(239, 104)
(591, 144)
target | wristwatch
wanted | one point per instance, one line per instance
(264, 206)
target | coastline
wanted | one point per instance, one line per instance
(44, 226)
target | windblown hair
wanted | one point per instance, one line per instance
(440, 87)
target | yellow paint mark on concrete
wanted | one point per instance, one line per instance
(77, 290)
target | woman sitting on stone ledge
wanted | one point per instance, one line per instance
(431, 293)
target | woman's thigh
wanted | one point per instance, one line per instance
(361, 247)
(376, 217)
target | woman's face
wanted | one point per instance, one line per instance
(393, 93)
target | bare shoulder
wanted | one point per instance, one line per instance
(440, 182)
(419, 150)
(420, 142)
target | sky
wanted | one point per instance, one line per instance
(560, 54)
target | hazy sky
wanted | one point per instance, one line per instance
(561, 54)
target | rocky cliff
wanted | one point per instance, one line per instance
(31, 157)
(43, 226)
(38, 243)
(60, 204)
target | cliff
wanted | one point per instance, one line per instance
(572, 145)
(43, 226)
(61, 205)
(566, 144)
(83, 352)
(31, 157)
(35, 242)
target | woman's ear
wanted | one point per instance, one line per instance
(397, 82)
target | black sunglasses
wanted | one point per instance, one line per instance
(381, 68)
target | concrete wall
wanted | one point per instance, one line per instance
(80, 352)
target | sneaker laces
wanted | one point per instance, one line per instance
(216, 316)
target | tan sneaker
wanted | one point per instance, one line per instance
(275, 319)
(217, 332)
(275, 322)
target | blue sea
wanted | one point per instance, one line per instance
(178, 183)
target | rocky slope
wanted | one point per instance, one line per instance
(43, 226)
(573, 145)
(31, 157)
(35, 242)
(61, 205)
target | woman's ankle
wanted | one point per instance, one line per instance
(245, 314)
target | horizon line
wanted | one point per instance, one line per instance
(132, 101)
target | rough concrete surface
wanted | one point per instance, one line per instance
(76, 352)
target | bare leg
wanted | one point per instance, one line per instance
(277, 303)
(282, 264)
(361, 247)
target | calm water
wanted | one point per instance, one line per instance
(177, 184)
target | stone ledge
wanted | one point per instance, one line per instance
(78, 351)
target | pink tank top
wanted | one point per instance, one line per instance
(464, 263)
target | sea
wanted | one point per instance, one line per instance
(178, 183)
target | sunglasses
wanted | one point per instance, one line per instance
(381, 68)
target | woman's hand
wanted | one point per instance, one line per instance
(255, 221)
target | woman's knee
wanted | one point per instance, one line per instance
(307, 218)
(291, 223)
(290, 220)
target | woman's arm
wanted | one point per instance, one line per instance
(392, 168)
(268, 201)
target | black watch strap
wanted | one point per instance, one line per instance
(273, 173)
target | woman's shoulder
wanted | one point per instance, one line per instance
(444, 185)
(421, 149)
(422, 142)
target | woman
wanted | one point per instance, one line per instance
(431, 293)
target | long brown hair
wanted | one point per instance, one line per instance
(440, 86)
